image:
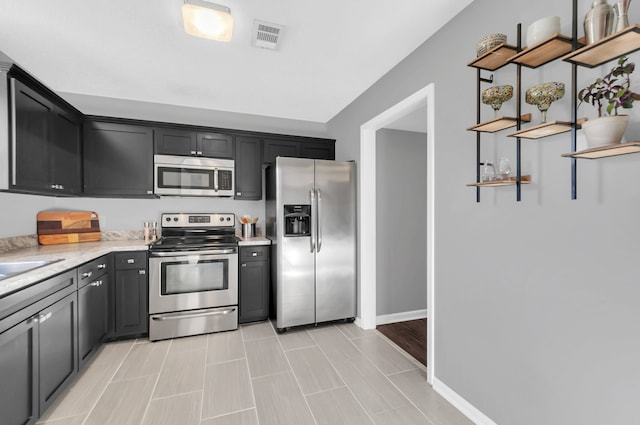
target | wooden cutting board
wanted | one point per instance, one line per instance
(59, 227)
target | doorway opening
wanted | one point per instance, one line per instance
(368, 239)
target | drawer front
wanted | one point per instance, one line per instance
(92, 270)
(131, 260)
(254, 253)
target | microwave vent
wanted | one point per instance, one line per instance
(266, 35)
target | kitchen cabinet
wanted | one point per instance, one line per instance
(118, 159)
(177, 141)
(253, 283)
(298, 148)
(19, 371)
(45, 140)
(248, 168)
(94, 285)
(38, 349)
(131, 294)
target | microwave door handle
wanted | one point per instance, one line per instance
(312, 218)
(319, 220)
(215, 179)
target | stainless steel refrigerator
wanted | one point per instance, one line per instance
(311, 220)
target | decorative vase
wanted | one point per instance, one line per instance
(495, 96)
(604, 131)
(621, 20)
(543, 95)
(598, 22)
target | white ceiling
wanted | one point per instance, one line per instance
(331, 51)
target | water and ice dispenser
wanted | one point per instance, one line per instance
(297, 220)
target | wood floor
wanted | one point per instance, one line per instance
(411, 336)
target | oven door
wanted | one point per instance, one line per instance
(193, 281)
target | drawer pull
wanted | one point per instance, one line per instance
(86, 274)
(131, 261)
(102, 266)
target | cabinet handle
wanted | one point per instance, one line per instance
(142, 272)
(102, 266)
(33, 319)
(130, 261)
(96, 283)
(193, 152)
(244, 265)
(86, 274)
(254, 254)
(44, 317)
(199, 152)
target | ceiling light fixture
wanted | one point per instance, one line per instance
(207, 20)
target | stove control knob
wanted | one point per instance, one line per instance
(175, 218)
(221, 218)
(168, 219)
(228, 218)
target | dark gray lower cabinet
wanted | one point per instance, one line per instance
(131, 294)
(38, 352)
(58, 348)
(93, 316)
(253, 283)
(19, 371)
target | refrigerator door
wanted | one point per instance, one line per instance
(295, 292)
(335, 184)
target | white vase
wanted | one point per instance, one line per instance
(605, 130)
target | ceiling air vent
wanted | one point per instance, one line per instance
(266, 35)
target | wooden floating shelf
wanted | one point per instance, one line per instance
(496, 183)
(545, 51)
(606, 151)
(495, 58)
(546, 129)
(499, 123)
(611, 47)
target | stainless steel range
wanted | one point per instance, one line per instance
(193, 276)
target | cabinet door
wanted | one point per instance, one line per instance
(254, 284)
(131, 307)
(30, 142)
(93, 301)
(19, 372)
(215, 145)
(275, 148)
(248, 168)
(317, 150)
(118, 160)
(58, 348)
(66, 153)
(170, 141)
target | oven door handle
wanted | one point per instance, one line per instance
(186, 253)
(176, 316)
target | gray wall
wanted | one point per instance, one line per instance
(401, 206)
(537, 301)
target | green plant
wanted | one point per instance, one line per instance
(612, 90)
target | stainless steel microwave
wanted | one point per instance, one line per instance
(192, 176)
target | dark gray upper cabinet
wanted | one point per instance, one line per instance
(177, 141)
(45, 143)
(248, 168)
(118, 159)
(318, 149)
(274, 148)
(299, 148)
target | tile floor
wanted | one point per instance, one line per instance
(326, 375)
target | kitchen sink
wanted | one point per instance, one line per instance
(10, 269)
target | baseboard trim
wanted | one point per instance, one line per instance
(467, 409)
(401, 317)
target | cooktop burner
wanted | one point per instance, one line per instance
(193, 232)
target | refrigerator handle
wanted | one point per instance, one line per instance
(312, 240)
(319, 220)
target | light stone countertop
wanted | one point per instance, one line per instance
(258, 240)
(71, 256)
